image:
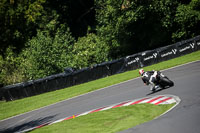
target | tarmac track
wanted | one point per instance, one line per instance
(182, 119)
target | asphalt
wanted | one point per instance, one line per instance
(182, 119)
(185, 118)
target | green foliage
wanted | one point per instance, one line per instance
(10, 71)
(34, 11)
(142, 25)
(88, 51)
(108, 16)
(18, 22)
(47, 54)
(188, 20)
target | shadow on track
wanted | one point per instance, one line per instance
(158, 90)
(27, 125)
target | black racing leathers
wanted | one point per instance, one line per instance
(146, 77)
(150, 77)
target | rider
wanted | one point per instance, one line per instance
(149, 78)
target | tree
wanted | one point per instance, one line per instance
(18, 22)
(133, 26)
(88, 51)
(10, 70)
(48, 54)
(187, 19)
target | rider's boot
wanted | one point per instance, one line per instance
(153, 88)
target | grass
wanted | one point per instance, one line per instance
(8, 109)
(109, 121)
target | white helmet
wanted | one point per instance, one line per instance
(141, 71)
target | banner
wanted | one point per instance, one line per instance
(132, 62)
(197, 42)
(149, 58)
(186, 47)
(117, 66)
(168, 52)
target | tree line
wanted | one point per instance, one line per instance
(43, 37)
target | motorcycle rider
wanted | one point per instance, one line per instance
(150, 78)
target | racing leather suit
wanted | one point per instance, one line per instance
(149, 78)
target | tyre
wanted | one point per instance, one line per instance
(166, 82)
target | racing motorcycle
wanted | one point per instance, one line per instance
(162, 81)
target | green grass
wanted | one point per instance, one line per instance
(109, 121)
(8, 109)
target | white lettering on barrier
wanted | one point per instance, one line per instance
(183, 49)
(133, 61)
(155, 55)
(198, 43)
(169, 53)
(151, 57)
(174, 51)
(147, 58)
(166, 54)
(191, 46)
(143, 54)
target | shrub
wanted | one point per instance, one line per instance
(47, 53)
(88, 51)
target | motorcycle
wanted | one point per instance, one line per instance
(162, 81)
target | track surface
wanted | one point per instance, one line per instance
(183, 119)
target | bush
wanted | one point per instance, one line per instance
(11, 72)
(88, 51)
(47, 53)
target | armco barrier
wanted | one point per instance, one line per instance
(149, 58)
(186, 47)
(168, 52)
(74, 77)
(197, 42)
(132, 62)
(117, 66)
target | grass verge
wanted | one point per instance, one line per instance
(112, 120)
(8, 109)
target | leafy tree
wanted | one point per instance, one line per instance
(88, 51)
(47, 54)
(134, 26)
(108, 16)
(187, 19)
(126, 25)
(18, 22)
(10, 70)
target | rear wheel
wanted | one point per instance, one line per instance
(166, 82)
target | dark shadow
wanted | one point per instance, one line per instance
(28, 125)
(158, 90)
